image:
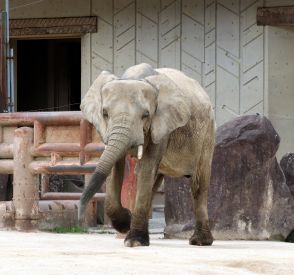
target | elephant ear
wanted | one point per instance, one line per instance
(173, 107)
(91, 104)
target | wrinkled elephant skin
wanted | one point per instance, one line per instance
(167, 119)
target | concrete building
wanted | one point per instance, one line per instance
(245, 68)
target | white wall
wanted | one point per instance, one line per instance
(215, 42)
(280, 45)
(244, 68)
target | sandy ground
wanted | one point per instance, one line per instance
(48, 253)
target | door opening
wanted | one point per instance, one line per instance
(48, 75)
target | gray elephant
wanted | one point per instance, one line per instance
(166, 119)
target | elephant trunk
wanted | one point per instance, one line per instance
(118, 143)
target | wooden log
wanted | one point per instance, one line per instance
(52, 26)
(275, 16)
(25, 187)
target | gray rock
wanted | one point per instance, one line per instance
(290, 237)
(287, 165)
(248, 196)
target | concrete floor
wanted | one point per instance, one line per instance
(48, 253)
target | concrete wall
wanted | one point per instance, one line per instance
(241, 65)
(280, 45)
(279, 64)
(216, 42)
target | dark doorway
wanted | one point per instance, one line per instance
(48, 75)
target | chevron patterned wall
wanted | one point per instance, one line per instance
(216, 42)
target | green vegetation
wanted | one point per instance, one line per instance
(69, 229)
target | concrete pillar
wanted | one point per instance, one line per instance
(91, 210)
(25, 186)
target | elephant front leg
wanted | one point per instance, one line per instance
(146, 178)
(139, 234)
(120, 217)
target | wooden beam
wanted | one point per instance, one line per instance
(52, 26)
(275, 16)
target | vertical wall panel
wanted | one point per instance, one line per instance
(228, 61)
(147, 32)
(170, 34)
(101, 42)
(217, 42)
(124, 35)
(194, 9)
(252, 54)
(192, 38)
(209, 72)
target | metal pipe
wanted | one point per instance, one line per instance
(69, 196)
(8, 67)
(12, 80)
(62, 168)
(6, 151)
(48, 118)
(6, 166)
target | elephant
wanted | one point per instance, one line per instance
(166, 119)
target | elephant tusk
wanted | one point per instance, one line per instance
(140, 151)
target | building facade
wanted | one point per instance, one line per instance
(245, 68)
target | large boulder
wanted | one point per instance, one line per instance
(248, 196)
(287, 165)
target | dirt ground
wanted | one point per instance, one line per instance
(48, 253)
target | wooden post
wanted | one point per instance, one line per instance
(25, 185)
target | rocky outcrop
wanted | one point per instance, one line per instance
(287, 165)
(248, 196)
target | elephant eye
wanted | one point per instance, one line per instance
(105, 114)
(145, 114)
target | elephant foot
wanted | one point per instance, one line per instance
(121, 220)
(137, 238)
(202, 235)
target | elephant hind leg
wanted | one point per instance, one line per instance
(200, 185)
(202, 234)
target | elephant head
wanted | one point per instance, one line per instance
(143, 106)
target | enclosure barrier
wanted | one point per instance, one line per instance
(44, 143)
